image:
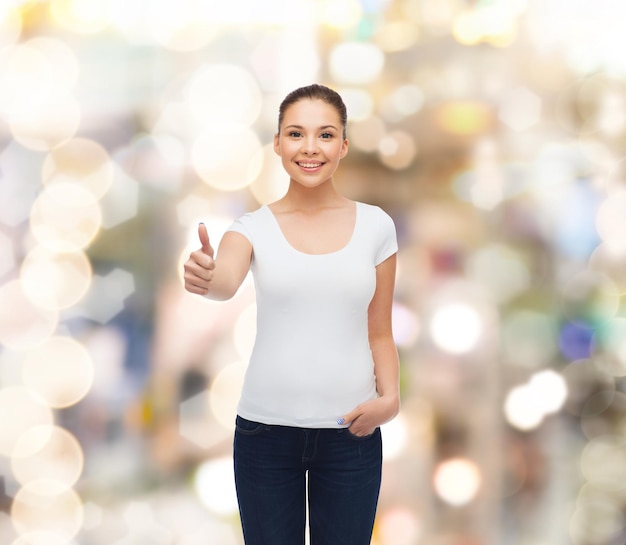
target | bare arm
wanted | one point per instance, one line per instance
(386, 366)
(218, 278)
(371, 414)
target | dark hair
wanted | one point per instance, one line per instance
(312, 92)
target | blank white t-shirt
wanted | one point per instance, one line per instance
(311, 362)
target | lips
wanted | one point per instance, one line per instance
(309, 165)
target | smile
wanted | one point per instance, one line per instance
(310, 165)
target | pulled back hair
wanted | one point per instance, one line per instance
(315, 92)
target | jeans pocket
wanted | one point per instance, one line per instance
(248, 427)
(357, 437)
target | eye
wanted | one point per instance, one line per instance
(326, 135)
(294, 134)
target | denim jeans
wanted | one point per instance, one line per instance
(271, 468)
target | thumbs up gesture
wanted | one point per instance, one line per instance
(200, 265)
(203, 235)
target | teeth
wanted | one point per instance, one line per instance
(310, 165)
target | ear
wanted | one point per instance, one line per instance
(344, 148)
(277, 144)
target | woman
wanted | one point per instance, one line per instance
(323, 374)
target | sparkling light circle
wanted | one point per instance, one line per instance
(20, 410)
(456, 328)
(603, 462)
(404, 101)
(397, 36)
(584, 380)
(399, 526)
(596, 521)
(47, 506)
(609, 258)
(180, 26)
(367, 134)
(272, 182)
(244, 332)
(609, 347)
(457, 481)
(63, 62)
(45, 126)
(224, 94)
(81, 16)
(65, 217)
(521, 408)
(340, 14)
(7, 254)
(590, 294)
(23, 324)
(550, 388)
(395, 434)
(464, 118)
(26, 76)
(217, 156)
(359, 103)
(60, 370)
(397, 150)
(55, 280)
(501, 269)
(356, 63)
(611, 219)
(82, 161)
(224, 393)
(215, 485)
(406, 325)
(11, 24)
(47, 452)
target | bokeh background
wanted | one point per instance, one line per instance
(493, 132)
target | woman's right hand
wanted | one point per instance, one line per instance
(200, 265)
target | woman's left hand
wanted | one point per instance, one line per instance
(366, 417)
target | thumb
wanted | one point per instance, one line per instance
(349, 418)
(204, 240)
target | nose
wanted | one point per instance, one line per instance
(310, 146)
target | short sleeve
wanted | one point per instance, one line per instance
(242, 226)
(387, 240)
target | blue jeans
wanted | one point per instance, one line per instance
(344, 476)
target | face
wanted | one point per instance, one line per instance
(310, 143)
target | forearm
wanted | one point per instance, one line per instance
(221, 286)
(367, 416)
(231, 266)
(387, 370)
(220, 278)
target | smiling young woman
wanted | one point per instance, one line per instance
(323, 374)
(310, 142)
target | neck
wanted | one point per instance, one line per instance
(304, 198)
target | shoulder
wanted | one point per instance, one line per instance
(374, 213)
(254, 216)
(250, 222)
(370, 208)
(379, 230)
(260, 211)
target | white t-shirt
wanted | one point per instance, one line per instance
(311, 362)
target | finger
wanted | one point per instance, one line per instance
(204, 240)
(361, 433)
(348, 418)
(200, 265)
(361, 427)
(196, 289)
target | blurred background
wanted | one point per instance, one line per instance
(492, 131)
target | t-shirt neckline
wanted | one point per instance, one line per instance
(300, 252)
